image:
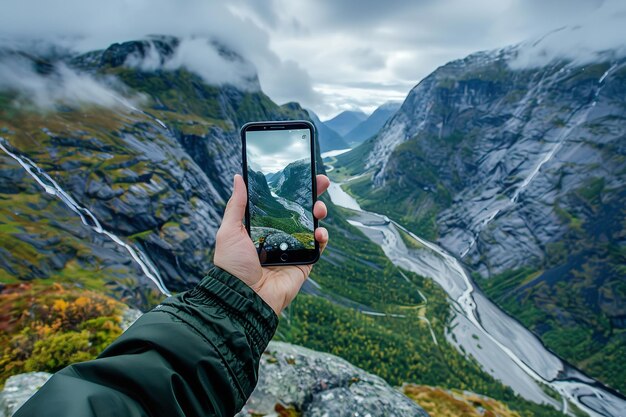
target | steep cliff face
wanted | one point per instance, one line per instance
(521, 173)
(295, 183)
(493, 145)
(154, 168)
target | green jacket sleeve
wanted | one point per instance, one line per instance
(195, 354)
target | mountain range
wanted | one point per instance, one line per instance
(329, 139)
(122, 198)
(357, 126)
(345, 121)
(372, 125)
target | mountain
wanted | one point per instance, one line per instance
(346, 121)
(262, 203)
(329, 139)
(521, 173)
(374, 122)
(155, 174)
(294, 183)
(113, 179)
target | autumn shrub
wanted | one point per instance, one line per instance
(47, 327)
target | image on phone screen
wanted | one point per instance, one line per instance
(280, 191)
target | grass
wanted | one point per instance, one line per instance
(409, 241)
(306, 239)
(453, 403)
(353, 162)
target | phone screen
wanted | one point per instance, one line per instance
(280, 193)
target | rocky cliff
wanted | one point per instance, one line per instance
(520, 172)
(154, 167)
(294, 183)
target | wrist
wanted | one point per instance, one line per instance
(239, 297)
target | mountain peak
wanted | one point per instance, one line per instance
(370, 126)
(160, 48)
(214, 62)
(346, 121)
(389, 105)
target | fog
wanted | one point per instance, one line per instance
(83, 25)
(200, 56)
(62, 86)
(601, 36)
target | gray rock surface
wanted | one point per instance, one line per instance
(18, 389)
(274, 238)
(495, 150)
(129, 316)
(296, 185)
(319, 384)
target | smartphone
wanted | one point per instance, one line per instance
(279, 171)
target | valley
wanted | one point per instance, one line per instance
(501, 345)
(519, 173)
(476, 237)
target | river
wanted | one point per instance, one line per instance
(504, 348)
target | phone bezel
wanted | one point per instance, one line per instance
(295, 257)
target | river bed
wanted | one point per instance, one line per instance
(505, 349)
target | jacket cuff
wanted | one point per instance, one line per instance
(241, 302)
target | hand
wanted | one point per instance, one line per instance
(236, 254)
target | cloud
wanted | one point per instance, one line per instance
(290, 82)
(84, 25)
(412, 38)
(201, 56)
(317, 51)
(60, 85)
(366, 58)
(273, 151)
(601, 36)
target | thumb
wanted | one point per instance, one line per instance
(236, 206)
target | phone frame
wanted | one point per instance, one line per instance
(294, 257)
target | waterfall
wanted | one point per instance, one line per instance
(50, 186)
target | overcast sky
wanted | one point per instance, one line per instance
(270, 152)
(329, 55)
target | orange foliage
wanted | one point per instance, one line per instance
(46, 327)
(443, 403)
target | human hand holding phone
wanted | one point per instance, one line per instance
(236, 254)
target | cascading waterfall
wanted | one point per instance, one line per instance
(50, 186)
